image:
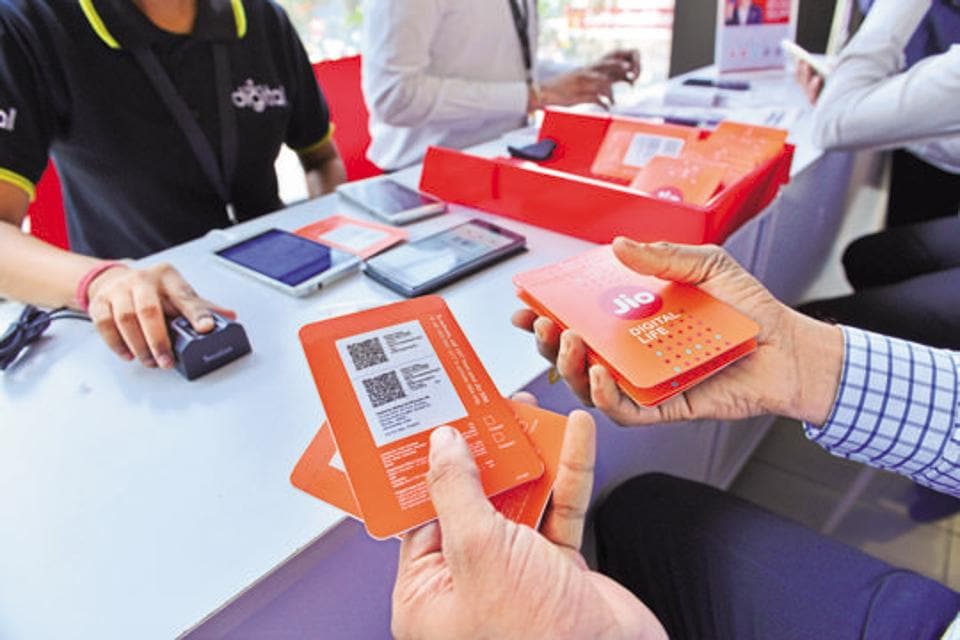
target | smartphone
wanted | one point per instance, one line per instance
(391, 201)
(425, 265)
(286, 261)
(538, 151)
(821, 64)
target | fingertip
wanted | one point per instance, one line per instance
(525, 397)
(204, 324)
(443, 437)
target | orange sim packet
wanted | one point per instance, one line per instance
(320, 471)
(387, 377)
(742, 147)
(359, 237)
(629, 145)
(656, 338)
(683, 179)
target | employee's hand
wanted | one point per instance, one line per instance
(476, 574)
(794, 372)
(577, 87)
(129, 308)
(620, 65)
(809, 80)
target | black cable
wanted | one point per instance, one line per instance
(28, 328)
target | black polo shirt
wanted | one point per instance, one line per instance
(132, 184)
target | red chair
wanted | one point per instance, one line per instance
(340, 81)
(47, 221)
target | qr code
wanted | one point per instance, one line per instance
(384, 388)
(367, 353)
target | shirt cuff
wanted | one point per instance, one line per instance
(896, 409)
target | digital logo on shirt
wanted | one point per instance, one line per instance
(258, 96)
(7, 119)
(630, 303)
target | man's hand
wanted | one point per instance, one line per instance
(129, 308)
(620, 65)
(475, 574)
(794, 372)
(577, 87)
(809, 80)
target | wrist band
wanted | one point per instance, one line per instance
(82, 295)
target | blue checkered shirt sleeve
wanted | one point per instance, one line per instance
(897, 409)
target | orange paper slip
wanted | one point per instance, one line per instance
(359, 237)
(684, 179)
(629, 145)
(387, 377)
(656, 338)
(320, 471)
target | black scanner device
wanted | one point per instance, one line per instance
(197, 354)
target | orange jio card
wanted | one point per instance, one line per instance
(320, 471)
(387, 377)
(656, 338)
(359, 237)
(629, 145)
(684, 179)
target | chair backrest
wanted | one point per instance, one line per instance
(47, 221)
(340, 81)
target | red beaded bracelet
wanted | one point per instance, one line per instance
(82, 294)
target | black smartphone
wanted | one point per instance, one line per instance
(425, 265)
(538, 151)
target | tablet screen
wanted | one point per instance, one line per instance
(388, 197)
(422, 261)
(283, 256)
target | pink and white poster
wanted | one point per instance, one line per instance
(749, 33)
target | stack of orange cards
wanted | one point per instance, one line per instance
(685, 179)
(320, 471)
(359, 237)
(387, 377)
(740, 147)
(630, 144)
(656, 338)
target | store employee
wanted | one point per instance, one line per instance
(458, 72)
(164, 118)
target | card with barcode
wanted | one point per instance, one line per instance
(387, 377)
(628, 145)
(321, 473)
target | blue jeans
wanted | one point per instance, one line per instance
(713, 566)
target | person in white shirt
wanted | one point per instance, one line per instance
(870, 101)
(455, 73)
(906, 278)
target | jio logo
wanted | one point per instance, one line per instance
(630, 303)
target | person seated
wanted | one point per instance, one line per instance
(699, 563)
(93, 85)
(906, 278)
(454, 73)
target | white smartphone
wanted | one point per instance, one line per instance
(821, 64)
(390, 200)
(286, 261)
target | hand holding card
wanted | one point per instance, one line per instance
(387, 377)
(657, 338)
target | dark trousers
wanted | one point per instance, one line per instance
(906, 281)
(920, 191)
(712, 566)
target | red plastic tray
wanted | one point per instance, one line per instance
(562, 195)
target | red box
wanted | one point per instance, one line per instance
(562, 195)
